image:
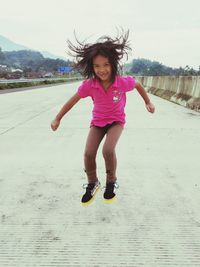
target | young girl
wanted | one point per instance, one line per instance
(99, 64)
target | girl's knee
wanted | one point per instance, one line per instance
(89, 155)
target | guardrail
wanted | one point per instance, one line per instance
(183, 90)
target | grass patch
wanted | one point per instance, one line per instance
(30, 84)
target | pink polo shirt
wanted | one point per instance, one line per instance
(108, 105)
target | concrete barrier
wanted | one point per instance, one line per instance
(182, 90)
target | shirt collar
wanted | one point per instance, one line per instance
(96, 83)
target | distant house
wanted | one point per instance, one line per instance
(3, 68)
(15, 73)
(16, 70)
(48, 75)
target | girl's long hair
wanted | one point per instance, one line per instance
(113, 49)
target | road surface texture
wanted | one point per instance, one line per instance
(155, 221)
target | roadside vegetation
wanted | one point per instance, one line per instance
(35, 83)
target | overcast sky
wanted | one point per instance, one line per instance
(165, 31)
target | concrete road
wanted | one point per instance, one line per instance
(155, 221)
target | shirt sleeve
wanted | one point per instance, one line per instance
(130, 83)
(84, 89)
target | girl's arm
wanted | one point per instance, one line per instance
(150, 107)
(67, 106)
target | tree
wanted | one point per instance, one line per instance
(2, 57)
(145, 67)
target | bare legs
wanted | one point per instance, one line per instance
(94, 139)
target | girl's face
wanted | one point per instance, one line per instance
(102, 68)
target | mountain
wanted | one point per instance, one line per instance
(50, 55)
(30, 61)
(8, 45)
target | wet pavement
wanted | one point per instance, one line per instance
(156, 218)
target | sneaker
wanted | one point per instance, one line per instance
(109, 193)
(91, 190)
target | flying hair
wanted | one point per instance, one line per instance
(112, 48)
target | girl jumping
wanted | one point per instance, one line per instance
(99, 64)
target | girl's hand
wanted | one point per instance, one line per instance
(55, 124)
(150, 107)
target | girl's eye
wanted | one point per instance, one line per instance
(105, 65)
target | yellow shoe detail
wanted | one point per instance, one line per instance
(110, 201)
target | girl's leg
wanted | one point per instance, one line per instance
(109, 155)
(94, 139)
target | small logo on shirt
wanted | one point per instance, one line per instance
(116, 96)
